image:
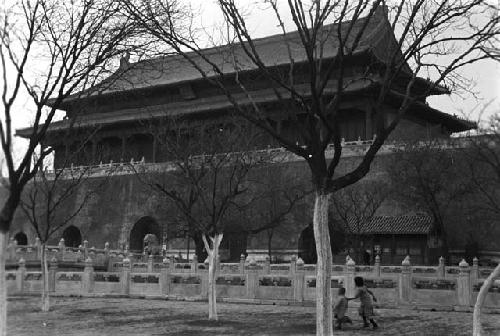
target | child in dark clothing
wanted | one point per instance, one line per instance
(340, 309)
(366, 307)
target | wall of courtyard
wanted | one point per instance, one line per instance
(123, 200)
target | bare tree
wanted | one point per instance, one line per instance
(276, 195)
(207, 181)
(483, 168)
(426, 174)
(356, 206)
(311, 84)
(48, 50)
(52, 199)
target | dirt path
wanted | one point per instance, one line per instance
(123, 317)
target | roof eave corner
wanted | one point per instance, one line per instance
(24, 132)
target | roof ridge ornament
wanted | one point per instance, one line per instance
(125, 62)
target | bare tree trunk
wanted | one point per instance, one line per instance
(477, 329)
(3, 284)
(212, 274)
(45, 281)
(199, 247)
(324, 325)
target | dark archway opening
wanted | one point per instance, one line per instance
(307, 243)
(72, 236)
(21, 238)
(143, 227)
(307, 246)
(235, 243)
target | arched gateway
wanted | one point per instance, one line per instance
(21, 238)
(72, 236)
(144, 226)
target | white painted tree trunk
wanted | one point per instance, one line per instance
(213, 252)
(45, 281)
(477, 329)
(324, 326)
(3, 284)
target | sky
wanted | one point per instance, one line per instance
(485, 75)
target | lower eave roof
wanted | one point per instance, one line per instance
(201, 105)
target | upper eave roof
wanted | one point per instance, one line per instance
(377, 41)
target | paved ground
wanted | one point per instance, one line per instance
(123, 317)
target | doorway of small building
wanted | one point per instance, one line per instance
(21, 238)
(72, 236)
(144, 226)
(307, 243)
(233, 245)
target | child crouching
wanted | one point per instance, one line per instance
(340, 309)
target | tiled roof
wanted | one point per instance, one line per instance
(378, 38)
(417, 224)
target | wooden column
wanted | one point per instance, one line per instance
(368, 124)
(154, 147)
(94, 154)
(124, 145)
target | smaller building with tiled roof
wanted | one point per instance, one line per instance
(392, 237)
(409, 224)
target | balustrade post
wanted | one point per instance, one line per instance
(107, 257)
(88, 277)
(441, 271)
(252, 279)
(52, 274)
(150, 263)
(164, 277)
(242, 264)
(92, 254)
(38, 248)
(464, 288)
(475, 270)
(20, 275)
(80, 254)
(172, 264)
(298, 282)
(85, 249)
(376, 268)
(405, 281)
(217, 264)
(194, 264)
(350, 272)
(125, 276)
(62, 249)
(12, 247)
(267, 265)
(293, 265)
(204, 280)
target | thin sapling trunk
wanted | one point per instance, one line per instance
(212, 273)
(3, 288)
(45, 304)
(477, 329)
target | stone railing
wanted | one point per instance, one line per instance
(250, 281)
(67, 257)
